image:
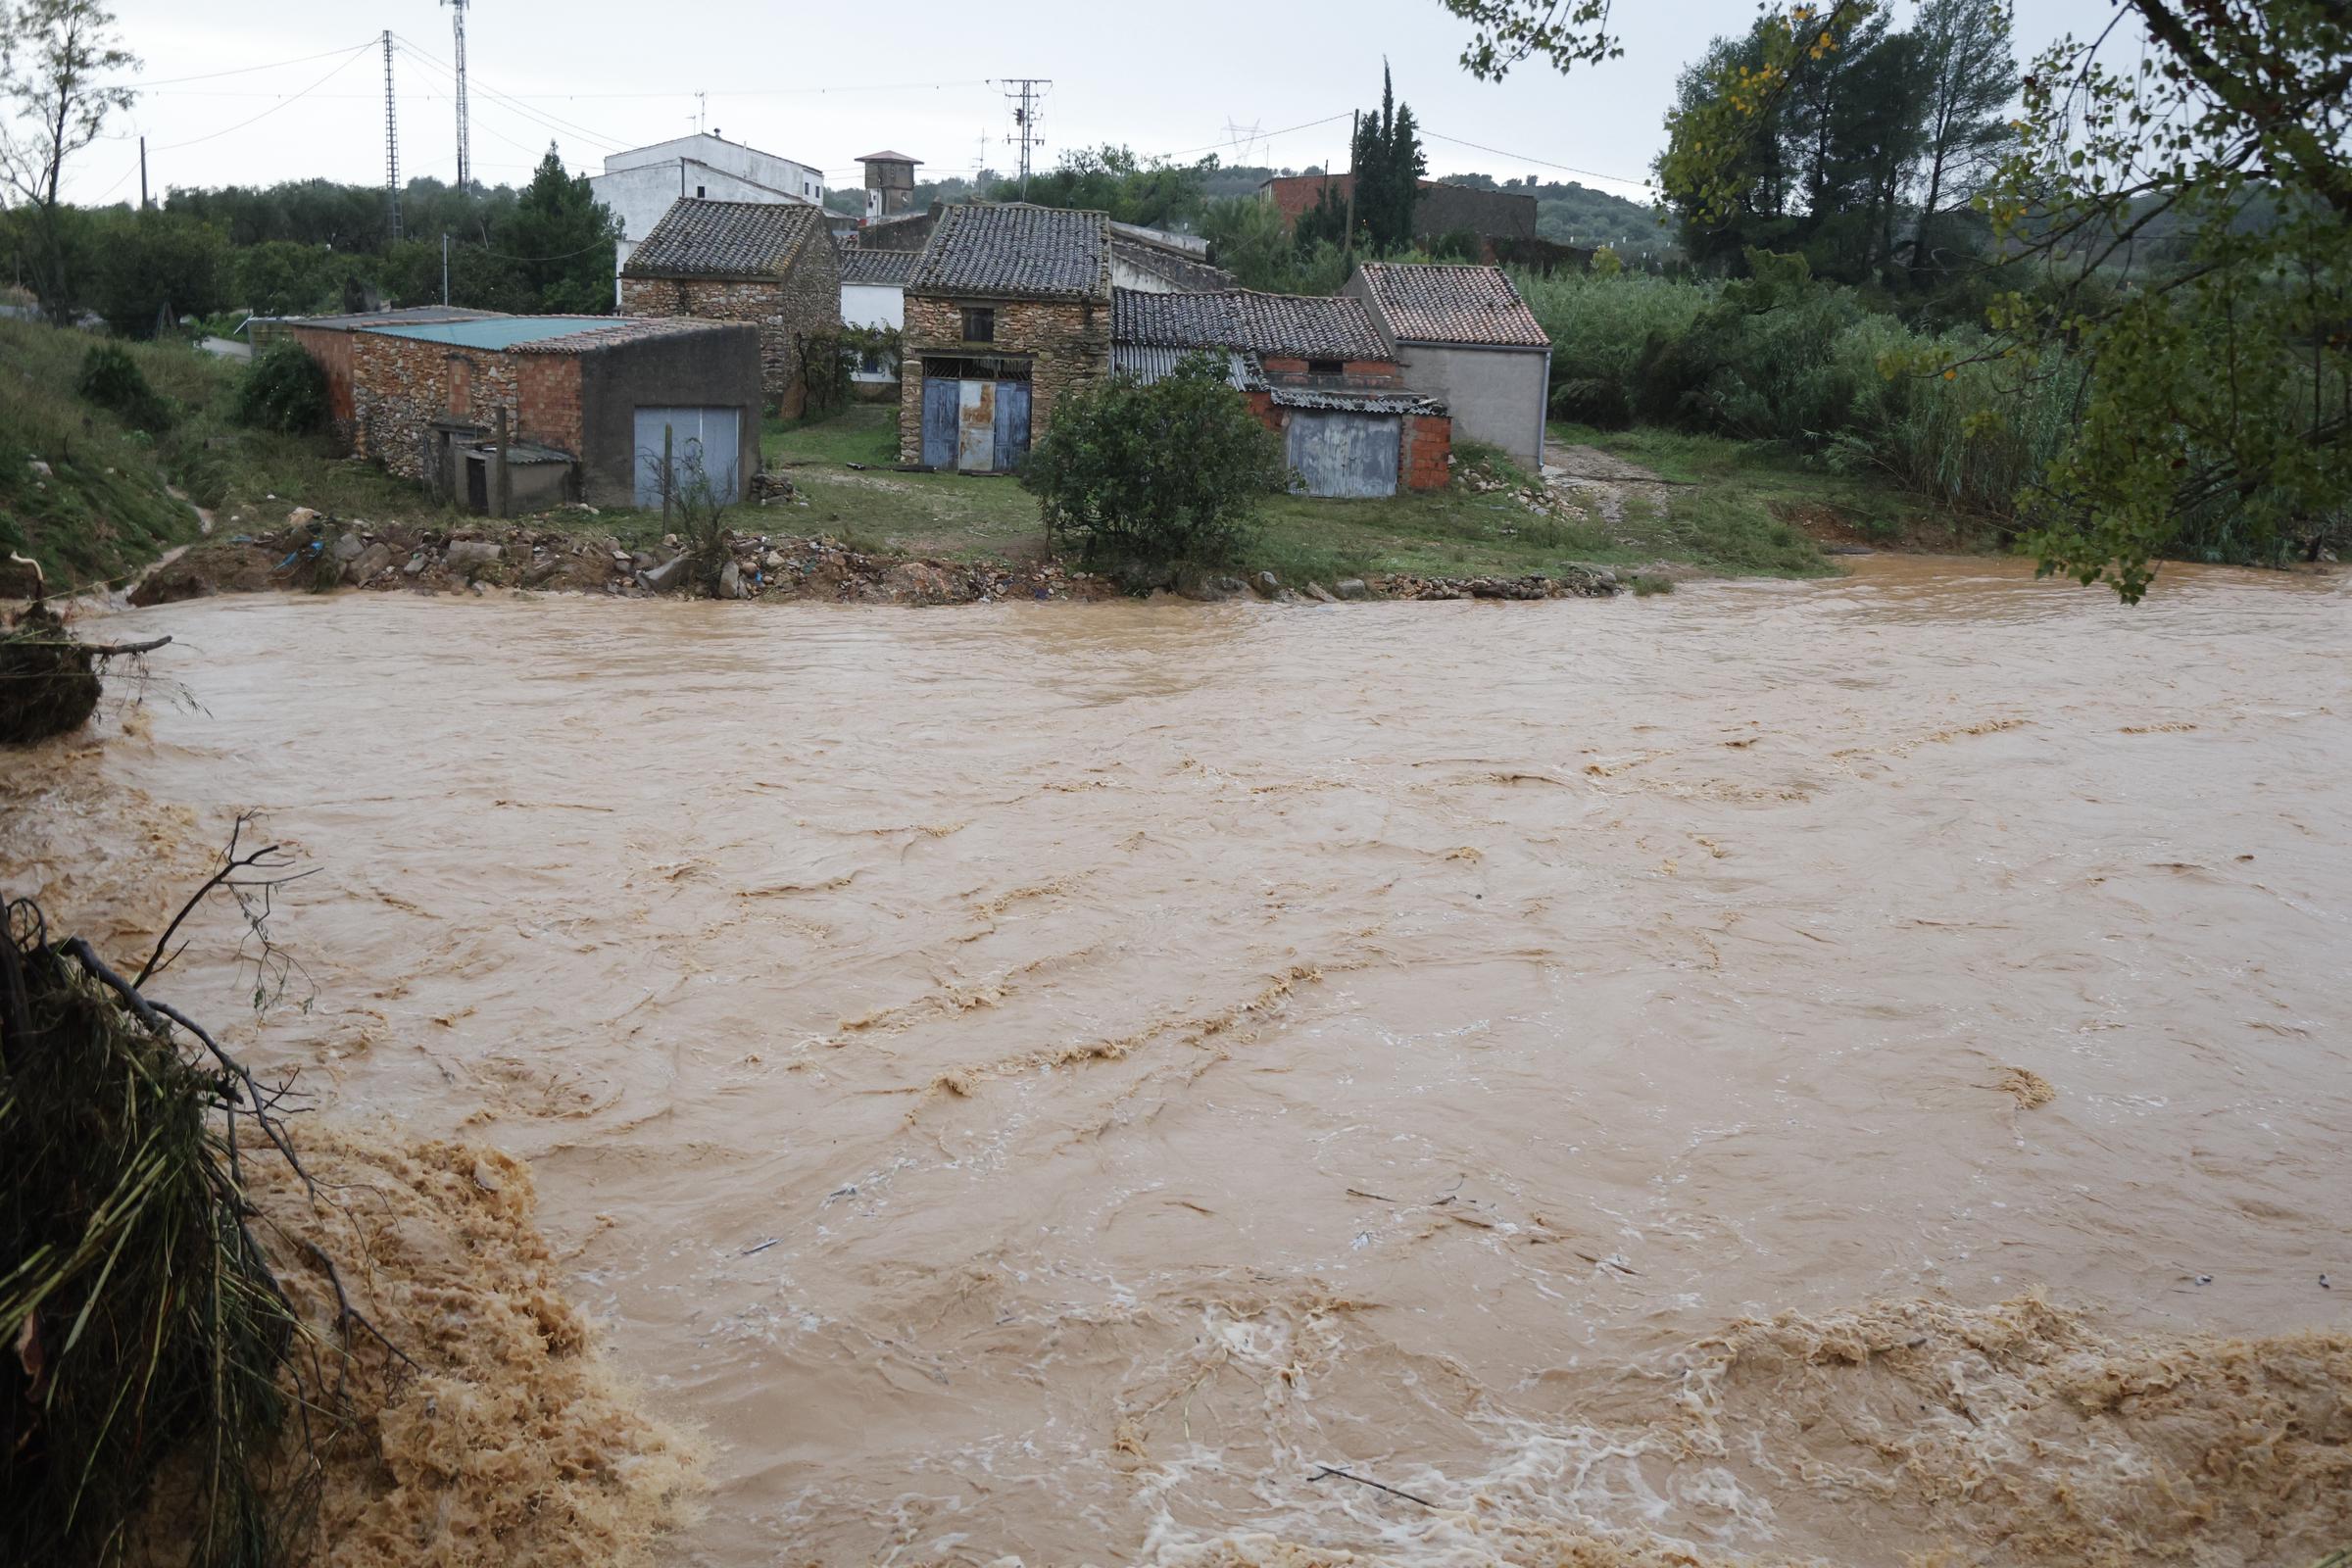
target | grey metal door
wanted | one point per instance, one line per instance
(704, 448)
(1012, 424)
(941, 398)
(1342, 453)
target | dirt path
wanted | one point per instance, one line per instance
(1606, 481)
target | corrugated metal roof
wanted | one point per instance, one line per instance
(1150, 362)
(552, 334)
(1347, 402)
(1314, 326)
(1475, 306)
(1015, 251)
(493, 331)
(699, 238)
(413, 314)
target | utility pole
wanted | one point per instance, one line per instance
(391, 148)
(457, 18)
(142, 173)
(1027, 91)
(445, 266)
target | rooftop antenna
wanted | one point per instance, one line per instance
(391, 146)
(701, 112)
(457, 19)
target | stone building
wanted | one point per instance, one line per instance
(1006, 308)
(583, 402)
(1316, 369)
(1157, 262)
(889, 183)
(639, 184)
(773, 265)
(328, 340)
(1462, 334)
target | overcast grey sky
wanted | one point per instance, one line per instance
(823, 84)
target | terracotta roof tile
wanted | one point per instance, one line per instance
(1305, 324)
(876, 266)
(1012, 249)
(1469, 304)
(698, 238)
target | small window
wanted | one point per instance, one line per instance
(979, 325)
(701, 192)
(1325, 366)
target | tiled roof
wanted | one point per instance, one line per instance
(887, 158)
(699, 238)
(1473, 305)
(1153, 361)
(626, 330)
(1012, 249)
(876, 266)
(1303, 324)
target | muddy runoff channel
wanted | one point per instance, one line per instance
(1841, 1069)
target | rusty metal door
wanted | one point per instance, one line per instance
(976, 448)
(1341, 454)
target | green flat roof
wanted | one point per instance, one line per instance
(497, 331)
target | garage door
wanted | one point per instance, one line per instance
(1342, 454)
(701, 441)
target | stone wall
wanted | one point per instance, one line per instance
(804, 303)
(550, 412)
(1066, 342)
(399, 385)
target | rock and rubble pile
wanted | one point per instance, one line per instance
(1571, 582)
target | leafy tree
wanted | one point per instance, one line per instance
(1247, 238)
(1168, 472)
(284, 389)
(2219, 416)
(151, 263)
(1971, 75)
(2215, 410)
(559, 240)
(58, 61)
(1152, 193)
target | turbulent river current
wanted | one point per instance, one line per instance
(1846, 1069)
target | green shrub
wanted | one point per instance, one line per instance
(1168, 472)
(284, 390)
(112, 379)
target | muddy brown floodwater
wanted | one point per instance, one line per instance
(1846, 1068)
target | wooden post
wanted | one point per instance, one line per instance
(668, 475)
(500, 493)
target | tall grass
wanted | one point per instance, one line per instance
(1802, 366)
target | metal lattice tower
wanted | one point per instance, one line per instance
(457, 18)
(1025, 91)
(391, 146)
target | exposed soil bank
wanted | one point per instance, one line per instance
(318, 553)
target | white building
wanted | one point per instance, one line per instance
(640, 185)
(873, 293)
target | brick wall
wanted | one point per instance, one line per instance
(803, 302)
(399, 385)
(1427, 444)
(1066, 342)
(549, 386)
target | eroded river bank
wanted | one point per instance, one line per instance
(1052, 1080)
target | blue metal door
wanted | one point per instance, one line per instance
(1012, 424)
(942, 403)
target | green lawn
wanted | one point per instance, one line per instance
(1742, 512)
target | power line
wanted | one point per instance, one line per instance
(142, 84)
(548, 122)
(1589, 174)
(275, 107)
(1267, 136)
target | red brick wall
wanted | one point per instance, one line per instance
(1427, 444)
(548, 387)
